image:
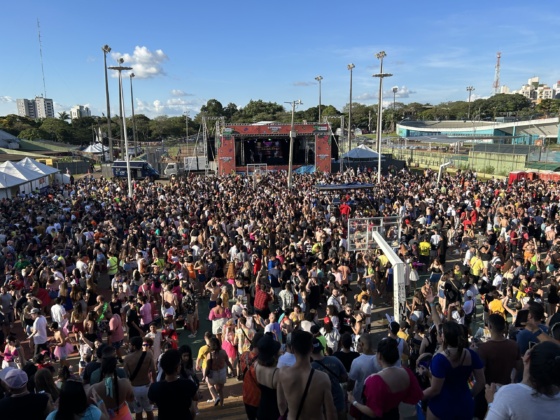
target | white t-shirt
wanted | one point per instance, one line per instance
(519, 401)
(362, 366)
(57, 314)
(286, 360)
(40, 326)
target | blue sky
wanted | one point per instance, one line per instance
(185, 53)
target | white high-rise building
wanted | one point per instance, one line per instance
(79, 111)
(35, 108)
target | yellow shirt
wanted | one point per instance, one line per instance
(424, 248)
(204, 350)
(476, 266)
(403, 335)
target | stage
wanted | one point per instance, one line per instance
(243, 144)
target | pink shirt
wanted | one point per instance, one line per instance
(115, 325)
(146, 314)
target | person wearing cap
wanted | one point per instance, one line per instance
(38, 331)
(266, 374)
(22, 404)
(336, 371)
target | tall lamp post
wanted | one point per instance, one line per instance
(351, 66)
(120, 70)
(319, 78)
(133, 119)
(292, 137)
(187, 124)
(395, 90)
(469, 89)
(380, 56)
(106, 49)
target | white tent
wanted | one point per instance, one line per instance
(31, 180)
(35, 166)
(362, 153)
(9, 184)
(97, 149)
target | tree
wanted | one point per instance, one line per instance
(213, 108)
(63, 116)
(33, 134)
(548, 106)
(57, 130)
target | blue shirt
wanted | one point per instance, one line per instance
(524, 337)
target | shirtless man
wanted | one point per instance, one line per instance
(214, 288)
(292, 383)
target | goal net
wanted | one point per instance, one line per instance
(257, 170)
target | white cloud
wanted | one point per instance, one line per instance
(402, 92)
(170, 107)
(6, 99)
(474, 97)
(145, 63)
(179, 92)
(304, 84)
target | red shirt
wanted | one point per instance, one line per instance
(261, 300)
(380, 399)
(251, 389)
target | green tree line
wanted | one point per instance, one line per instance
(82, 130)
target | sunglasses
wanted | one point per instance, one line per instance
(146, 345)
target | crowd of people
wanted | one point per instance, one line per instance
(122, 283)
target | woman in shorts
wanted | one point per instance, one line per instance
(217, 363)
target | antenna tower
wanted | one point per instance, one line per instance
(41, 54)
(496, 84)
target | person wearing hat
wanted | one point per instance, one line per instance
(21, 403)
(333, 367)
(38, 331)
(266, 370)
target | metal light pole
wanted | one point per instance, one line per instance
(395, 90)
(380, 56)
(319, 78)
(133, 119)
(187, 124)
(469, 89)
(106, 49)
(127, 156)
(292, 136)
(351, 66)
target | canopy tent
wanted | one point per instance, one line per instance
(31, 180)
(8, 181)
(11, 168)
(35, 166)
(97, 149)
(361, 153)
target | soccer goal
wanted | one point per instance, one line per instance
(257, 170)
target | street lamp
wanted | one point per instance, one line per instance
(350, 67)
(380, 56)
(395, 90)
(469, 89)
(319, 78)
(120, 69)
(292, 136)
(106, 49)
(133, 119)
(187, 124)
